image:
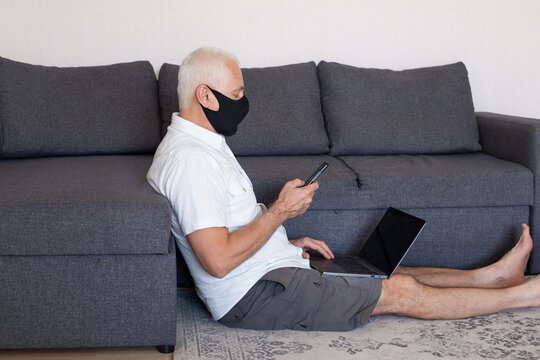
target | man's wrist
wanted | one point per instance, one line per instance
(276, 211)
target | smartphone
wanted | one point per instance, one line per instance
(316, 174)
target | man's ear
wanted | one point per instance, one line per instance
(206, 98)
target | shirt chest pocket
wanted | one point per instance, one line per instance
(237, 186)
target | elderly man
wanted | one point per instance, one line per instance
(246, 270)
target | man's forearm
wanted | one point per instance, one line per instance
(219, 251)
(244, 242)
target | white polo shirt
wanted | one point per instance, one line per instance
(206, 187)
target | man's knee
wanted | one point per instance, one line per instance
(401, 283)
(398, 293)
(402, 269)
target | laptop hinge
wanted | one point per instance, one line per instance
(371, 267)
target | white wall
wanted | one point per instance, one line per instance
(498, 40)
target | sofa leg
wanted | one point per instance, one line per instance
(165, 349)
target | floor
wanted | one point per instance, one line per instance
(144, 353)
(513, 334)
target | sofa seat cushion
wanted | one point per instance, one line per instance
(425, 181)
(284, 116)
(337, 185)
(52, 111)
(379, 112)
(81, 205)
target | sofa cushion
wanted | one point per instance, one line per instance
(425, 181)
(81, 205)
(419, 111)
(284, 110)
(168, 94)
(337, 185)
(47, 111)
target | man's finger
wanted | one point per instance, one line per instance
(326, 247)
(321, 248)
(297, 182)
(313, 186)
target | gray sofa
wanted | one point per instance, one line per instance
(408, 139)
(86, 254)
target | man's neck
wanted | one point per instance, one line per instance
(196, 115)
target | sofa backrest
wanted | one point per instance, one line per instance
(373, 111)
(49, 111)
(285, 115)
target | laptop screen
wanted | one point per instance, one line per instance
(391, 240)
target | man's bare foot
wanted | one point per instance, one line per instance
(510, 269)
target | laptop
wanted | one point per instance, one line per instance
(383, 251)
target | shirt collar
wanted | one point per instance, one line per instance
(217, 141)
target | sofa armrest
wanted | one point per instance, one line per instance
(511, 138)
(516, 139)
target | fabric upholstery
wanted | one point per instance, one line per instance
(285, 112)
(462, 238)
(88, 301)
(337, 185)
(47, 111)
(168, 95)
(458, 238)
(516, 139)
(459, 180)
(81, 205)
(379, 112)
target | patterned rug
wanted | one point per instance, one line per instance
(507, 335)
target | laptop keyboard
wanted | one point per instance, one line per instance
(352, 264)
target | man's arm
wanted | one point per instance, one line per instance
(219, 251)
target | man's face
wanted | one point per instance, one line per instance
(234, 88)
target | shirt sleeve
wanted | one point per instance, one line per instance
(197, 192)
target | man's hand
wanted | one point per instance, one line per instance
(294, 200)
(307, 243)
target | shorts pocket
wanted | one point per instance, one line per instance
(281, 276)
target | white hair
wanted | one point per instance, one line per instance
(205, 65)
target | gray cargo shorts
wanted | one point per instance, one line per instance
(304, 299)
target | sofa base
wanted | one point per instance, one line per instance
(458, 238)
(461, 238)
(87, 301)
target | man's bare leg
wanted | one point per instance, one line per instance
(507, 272)
(403, 295)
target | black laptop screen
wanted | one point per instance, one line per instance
(392, 238)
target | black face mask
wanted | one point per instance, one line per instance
(230, 113)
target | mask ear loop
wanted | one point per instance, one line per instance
(207, 97)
